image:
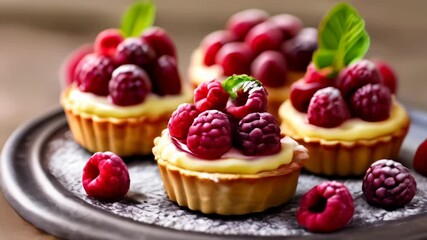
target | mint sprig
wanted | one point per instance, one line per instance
(342, 39)
(139, 16)
(233, 84)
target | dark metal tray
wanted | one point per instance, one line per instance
(41, 178)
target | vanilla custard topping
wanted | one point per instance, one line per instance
(350, 130)
(232, 162)
(153, 104)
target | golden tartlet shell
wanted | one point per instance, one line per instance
(123, 136)
(231, 194)
(348, 158)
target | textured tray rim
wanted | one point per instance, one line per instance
(83, 221)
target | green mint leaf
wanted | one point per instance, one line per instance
(138, 17)
(342, 39)
(233, 84)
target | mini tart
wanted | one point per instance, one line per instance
(199, 73)
(227, 193)
(350, 148)
(98, 125)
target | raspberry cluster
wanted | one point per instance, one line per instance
(231, 114)
(127, 69)
(264, 47)
(360, 90)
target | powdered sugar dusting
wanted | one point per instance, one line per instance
(147, 202)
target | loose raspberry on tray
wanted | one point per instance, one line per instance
(105, 177)
(420, 159)
(326, 207)
(209, 135)
(388, 184)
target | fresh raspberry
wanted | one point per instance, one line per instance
(388, 184)
(93, 74)
(259, 134)
(209, 136)
(357, 75)
(371, 102)
(270, 69)
(248, 101)
(299, 50)
(134, 51)
(289, 24)
(107, 41)
(326, 207)
(388, 75)
(327, 108)
(213, 42)
(160, 41)
(73, 60)
(210, 95)
(166, 79)
(234, 58)
(302, 92)
(129, 85)
(264, 36)
(241, 22)
(106, 177)
(420, 159)
(181, 120)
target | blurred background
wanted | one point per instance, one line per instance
(36, 36)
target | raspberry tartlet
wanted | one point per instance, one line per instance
(273, 49)
(343, 111)
(120, 95)
(224, 154)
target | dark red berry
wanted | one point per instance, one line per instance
(357, 75)
(134, 51)
(73, 60)
(302, 92)
(290, 25)
(160, 41)
(181, 120)
(264, 36)
(371, 102)
(93, 74)
(209, 136)
(270, 68)
(210, 95)
(388, 184)
(248, 101)
(107, 41)
(105, 177)
(327, 108)
(234, 58)
(241, 22)
(299, 50)
(388, 75)
(326, 207)
(259, 134)
(420, 159)
(213, 42)
(166, 79)
(129, 85)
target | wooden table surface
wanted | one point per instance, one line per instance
(37, 35)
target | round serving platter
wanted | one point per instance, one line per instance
(40, 176)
